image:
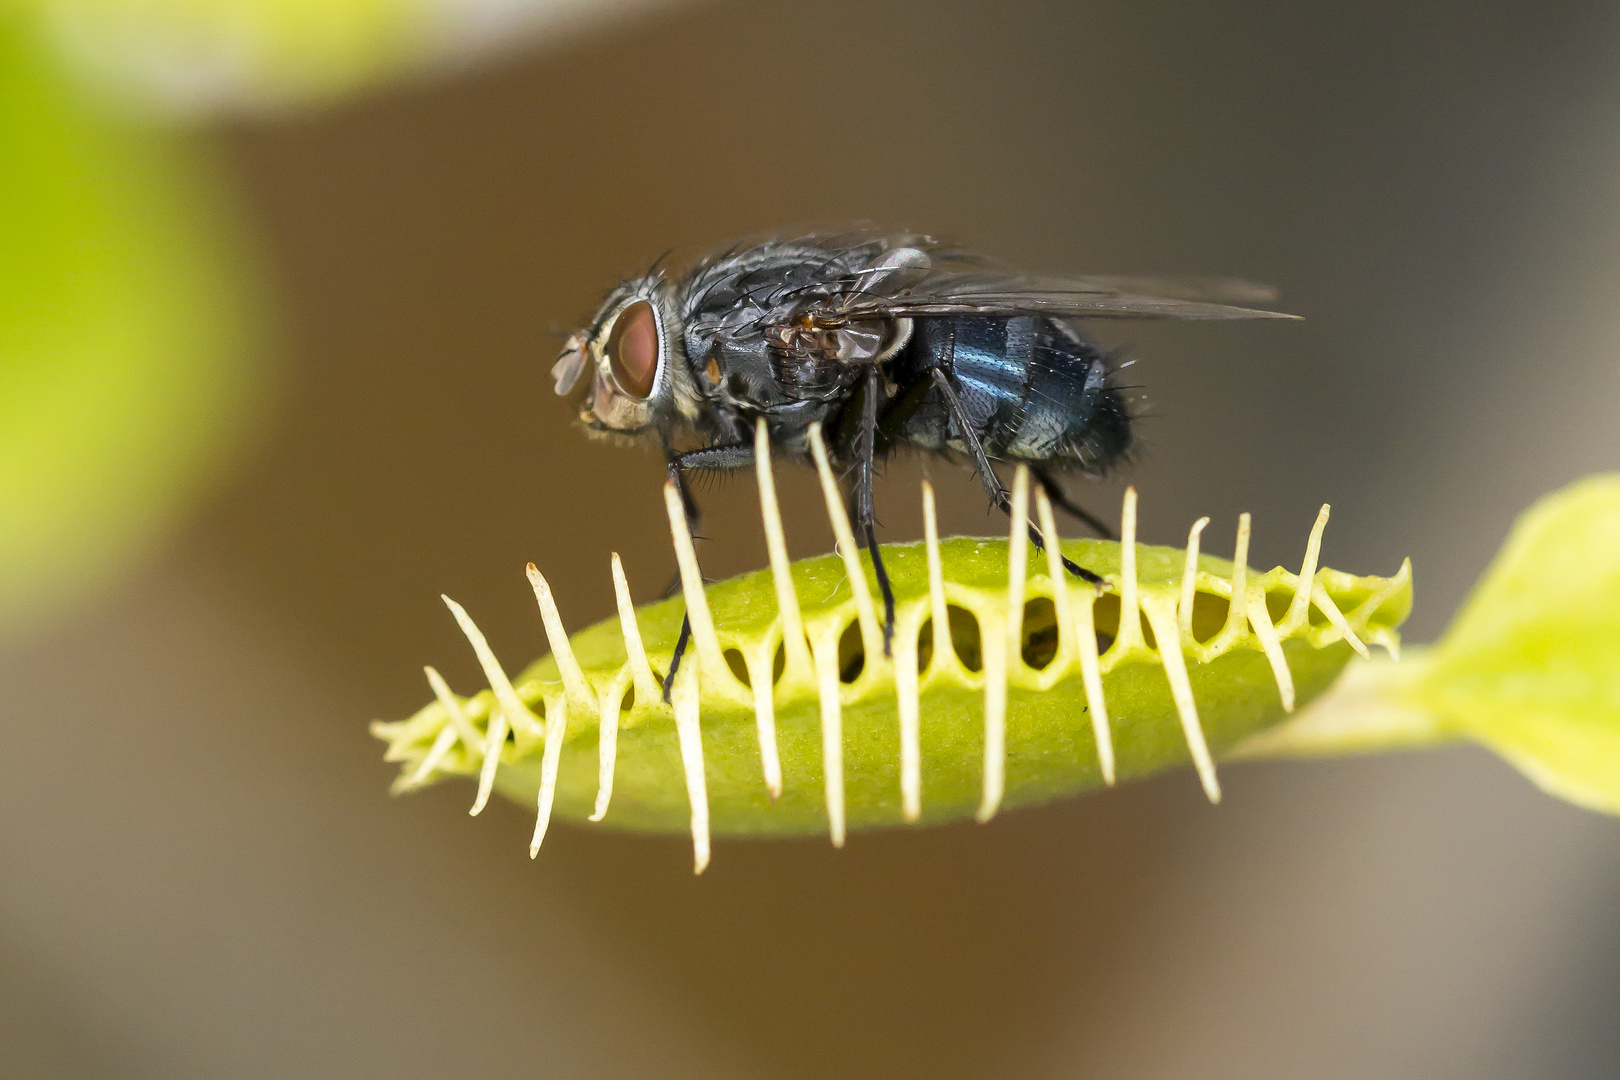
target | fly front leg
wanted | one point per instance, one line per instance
(865, 514)
(992, 483)
(740, 456)
(717, 458)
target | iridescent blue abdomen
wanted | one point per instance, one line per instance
(1033, 389)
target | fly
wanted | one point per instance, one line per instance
(888, 341)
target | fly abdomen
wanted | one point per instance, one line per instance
(1032, 390)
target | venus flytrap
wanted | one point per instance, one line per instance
(1010, 682)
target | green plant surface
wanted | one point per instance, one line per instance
(1030, 653)
(123, 335)
(1051, 750)
(1530, 667)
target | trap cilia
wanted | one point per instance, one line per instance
(1010, 682)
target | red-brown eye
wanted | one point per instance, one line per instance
(633, 349)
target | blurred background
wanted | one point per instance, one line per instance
(281, 286)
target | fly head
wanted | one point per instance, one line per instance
(631, 352)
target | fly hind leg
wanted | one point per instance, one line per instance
(1061, 500)
(865, 514)
(992, 484)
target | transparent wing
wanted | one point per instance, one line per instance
(1215, 290)
(825, 280)
(949, 288)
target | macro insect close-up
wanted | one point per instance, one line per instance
(1084, 542)
(888, 341)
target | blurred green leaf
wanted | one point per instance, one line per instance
(123, 335)
(190, 57)
(194, 55)
(1530, 667)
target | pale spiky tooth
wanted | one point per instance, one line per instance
(1161, 616)
(1299, 609)
(936, 578)
(995, 724)
(1017, 561)
(906, 677)
(1383, 635)
(556, 728)
(796, 652)
(573, 677)
(398, 741)
(647, 688)
(1189, 580)
(1369, 607)
(685, 701)
(607, 745)
(1389, 639)
(1260, 619)
(1055, 571)
(997, 673)
(494, 740)
(908, 705)
(470, 738)
(1325, 604)
(396, 733)
(511, 706)
(1085, 634)
(612, 699)
(825, 653)
(436, 753)
(1387, 636)
(871, 636)
(760, 664)
(1130, 622)
(1077, 624)
(1235, 615)
(697, 602)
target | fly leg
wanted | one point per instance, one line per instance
(1054, 491)
(992, 484)
(865, 515)
(739, 456)
(694, 516)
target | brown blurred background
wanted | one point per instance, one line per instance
(201, 874)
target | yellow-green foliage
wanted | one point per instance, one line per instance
(124, 368)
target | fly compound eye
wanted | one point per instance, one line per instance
(632, 349)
